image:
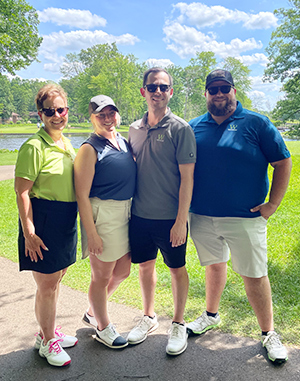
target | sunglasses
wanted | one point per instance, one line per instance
(152, 88)
(51, 111)
(225, 89)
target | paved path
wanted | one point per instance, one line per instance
(210, 357)
(7, 172)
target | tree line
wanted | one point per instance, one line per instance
(103, 69)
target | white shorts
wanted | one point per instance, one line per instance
(111, 219)
(244, 238)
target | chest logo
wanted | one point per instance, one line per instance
(160, 138)
(232, 127)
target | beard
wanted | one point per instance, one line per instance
(220, 110)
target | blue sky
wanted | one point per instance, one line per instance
(160, 32)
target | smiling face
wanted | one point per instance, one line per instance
(157, 100)
(220, 104)
(56, 123)
(105, 121)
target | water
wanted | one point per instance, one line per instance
(12, 142)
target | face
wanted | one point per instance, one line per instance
(220, 104)
(105, 120)
(157, 100)
(57, 122)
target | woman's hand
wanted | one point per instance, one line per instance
(95, 245)
(33, 245)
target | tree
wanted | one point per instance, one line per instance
(242, 83)
(19, 38)
(284, 54)
(284, 48)
(6, 98)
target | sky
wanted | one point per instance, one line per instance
(160, 32)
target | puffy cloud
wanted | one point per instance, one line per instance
(256, 58)
(186, 41)
(201, 16)
(72, 17)
(76, 40)
(163, 62)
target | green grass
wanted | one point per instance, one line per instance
(237, 315)
(78, 128)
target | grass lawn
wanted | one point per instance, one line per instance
(32, 128)
(236, 313)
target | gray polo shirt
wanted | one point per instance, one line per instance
(158, 151)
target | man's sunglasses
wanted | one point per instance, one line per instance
(152, 88)
(51, 111)
(213, 90)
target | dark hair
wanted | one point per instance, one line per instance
(47, 91)
(156, 70)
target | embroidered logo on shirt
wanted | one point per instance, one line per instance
(160, 138)
(232, 127)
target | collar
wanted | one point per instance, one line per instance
(161, 123)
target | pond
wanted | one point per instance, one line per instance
(14, 141)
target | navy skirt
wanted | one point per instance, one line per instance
(56, 224)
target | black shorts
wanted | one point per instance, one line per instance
(147, 236)
(55, 223)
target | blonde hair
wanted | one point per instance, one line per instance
(47, 91)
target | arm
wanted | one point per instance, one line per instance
(280, 181)
(179, 229)
(33, 243)
(84, 171)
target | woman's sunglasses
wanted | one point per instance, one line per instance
(51, 111)
(152, 88)
(213, 90)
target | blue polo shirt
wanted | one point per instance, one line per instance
(230, 174)
(115, 170)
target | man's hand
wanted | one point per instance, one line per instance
(178, 234)
(266, 210)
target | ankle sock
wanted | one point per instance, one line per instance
(211, 314)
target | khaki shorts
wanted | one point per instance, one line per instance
(111, 219)
(244, 238)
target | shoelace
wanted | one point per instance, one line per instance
(59, 334)
(273, 338)
(54, 346)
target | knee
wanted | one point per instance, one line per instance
(179, 273)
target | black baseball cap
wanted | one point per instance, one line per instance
(219, 75)
(98, 103)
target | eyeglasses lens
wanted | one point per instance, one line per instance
(51, 111)
(213, 90)
(152, 88)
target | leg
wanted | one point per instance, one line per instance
(180, 285)
(215, 280)
(258, 291)
(101, 273)
(148, 279)
(46, 300)
(121, 272)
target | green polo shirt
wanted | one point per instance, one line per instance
(50, 168)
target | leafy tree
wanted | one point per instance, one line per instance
(6, 98)
(242, 83)
(284, 47)
(19, 38)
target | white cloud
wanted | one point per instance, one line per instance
(201, 16)
(154, 62)
(72, 17)
(186, 41)
(77, 40)
(256, 58)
